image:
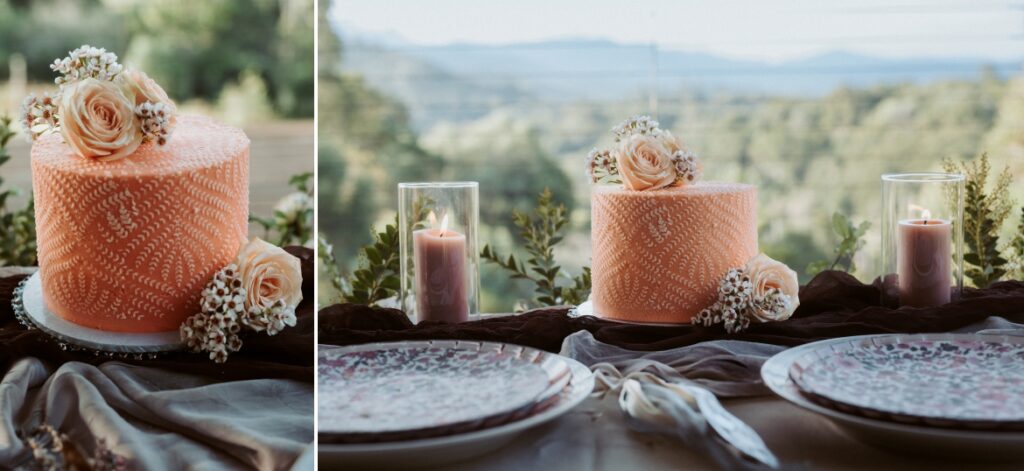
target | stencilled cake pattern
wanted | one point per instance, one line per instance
(128, 245)
(658, 255)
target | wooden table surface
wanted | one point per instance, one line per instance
(595, 437)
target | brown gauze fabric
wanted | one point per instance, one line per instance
(834, 304)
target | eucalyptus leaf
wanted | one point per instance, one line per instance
(850, 242)
(540, 232)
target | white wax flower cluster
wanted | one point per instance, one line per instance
(86, 62)
(39, 115)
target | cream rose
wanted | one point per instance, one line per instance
(671, 143)
(269, 274)
(767, 275)
(144, 89)
(644, 162)
(98, 120)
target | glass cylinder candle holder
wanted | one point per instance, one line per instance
(922, 238)
(440, 261)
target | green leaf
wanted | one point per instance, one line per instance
(373, 255)
(840, 225)
(540, 231)
(850, 242)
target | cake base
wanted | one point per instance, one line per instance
(587, 309)
(31, 310)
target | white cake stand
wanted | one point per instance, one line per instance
(587, 309)
(31, 311)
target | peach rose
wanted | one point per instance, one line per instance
(644, 162)
(98, 120)
(671, 143)
(767, 275)
(269, 274)
(144, 89)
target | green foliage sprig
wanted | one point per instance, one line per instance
(542, 231)
(377, 277)
(18, 227)
(1017, 248)
(329, 263)
(851, 240)
(985, 210)
(293, 215)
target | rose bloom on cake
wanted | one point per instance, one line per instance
(98, 120)
(270, 275)
(771, 280)
(645, 163)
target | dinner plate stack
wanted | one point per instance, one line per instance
(951, 394)
(428, 402)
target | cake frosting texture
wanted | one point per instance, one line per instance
(658, 255)
(129, 245)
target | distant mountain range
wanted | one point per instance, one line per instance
(461, 77)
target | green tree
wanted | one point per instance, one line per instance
(194, 49)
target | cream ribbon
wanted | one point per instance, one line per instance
(679, 408)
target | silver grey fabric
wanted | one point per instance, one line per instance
(729, 368)
(158, 419)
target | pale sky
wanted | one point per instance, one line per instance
(764, 30)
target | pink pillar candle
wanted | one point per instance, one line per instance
(440, 258)
(924, 262)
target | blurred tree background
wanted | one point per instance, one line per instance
(810, 155)
(251, 58)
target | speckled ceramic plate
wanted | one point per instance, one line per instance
(952, 380)
(925, 440)
(408, 390)
(431, 453)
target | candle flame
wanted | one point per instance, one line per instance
(444, 224)
(925, 213)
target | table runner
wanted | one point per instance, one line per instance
(179, 411)
(833, 304)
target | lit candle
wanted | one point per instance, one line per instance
(440, 258)
(924, 261)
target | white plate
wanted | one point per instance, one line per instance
(933, 441)
(448, 449)
(31, 310)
